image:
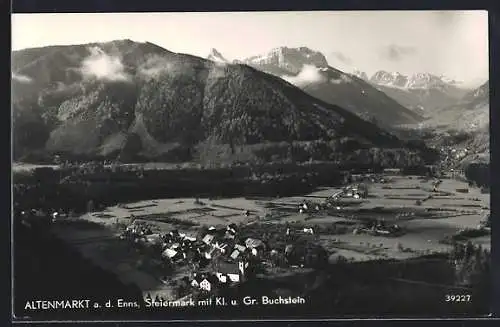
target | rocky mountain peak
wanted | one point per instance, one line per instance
(291, 60)
(414, 81)
(215, 55)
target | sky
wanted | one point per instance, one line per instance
(449, 43)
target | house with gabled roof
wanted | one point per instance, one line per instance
(240, 248)
(209, 282)
(307, 230)
(153, 238)
(235, 271)
(206, 285)
(213, 253)
(189, 238)
(170, 253)
(254, 245)
(195, 282)
(235, 254)
(174, 233)
(223, 247)
(231, 229)
(230, 235)
(300, 231)
(223, 278)
(208, 239)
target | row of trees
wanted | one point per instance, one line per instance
(472, 264)
(478, 173)
(345, 152)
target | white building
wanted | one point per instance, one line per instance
(222, 278)
(208, 239)
(206, 285)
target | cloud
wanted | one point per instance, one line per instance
(103, 66)
(154, 66)
(344, 78)
(221, 64)
(308, 75)
(22, 78)
(342, 57)
(396, 52)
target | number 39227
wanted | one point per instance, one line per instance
(457, 298)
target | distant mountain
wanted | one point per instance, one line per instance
(216, 56)
(475, 121)
(415, 81)
(479, 95)
(471, 113)
(422, 92)
(288, 61)
(309, 70)
(124, 98)
(389, 79)
(360, 74)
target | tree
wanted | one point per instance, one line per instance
(90, 206)
(471, 265)
(469, 250)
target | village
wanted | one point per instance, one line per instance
(216, 259)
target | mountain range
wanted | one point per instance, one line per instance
(310, 71)
(107, 99)
(421, 92)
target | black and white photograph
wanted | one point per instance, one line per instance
(272, 165)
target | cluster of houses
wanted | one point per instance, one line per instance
(307, 206)
(221, 274)
(40, 216)
(138, 232)
(233, 260)
(229, 258)
(459, 153)
(451, 156)
(217, 256)
(356, 191)
(378, 227)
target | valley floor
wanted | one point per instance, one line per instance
(425, 227)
